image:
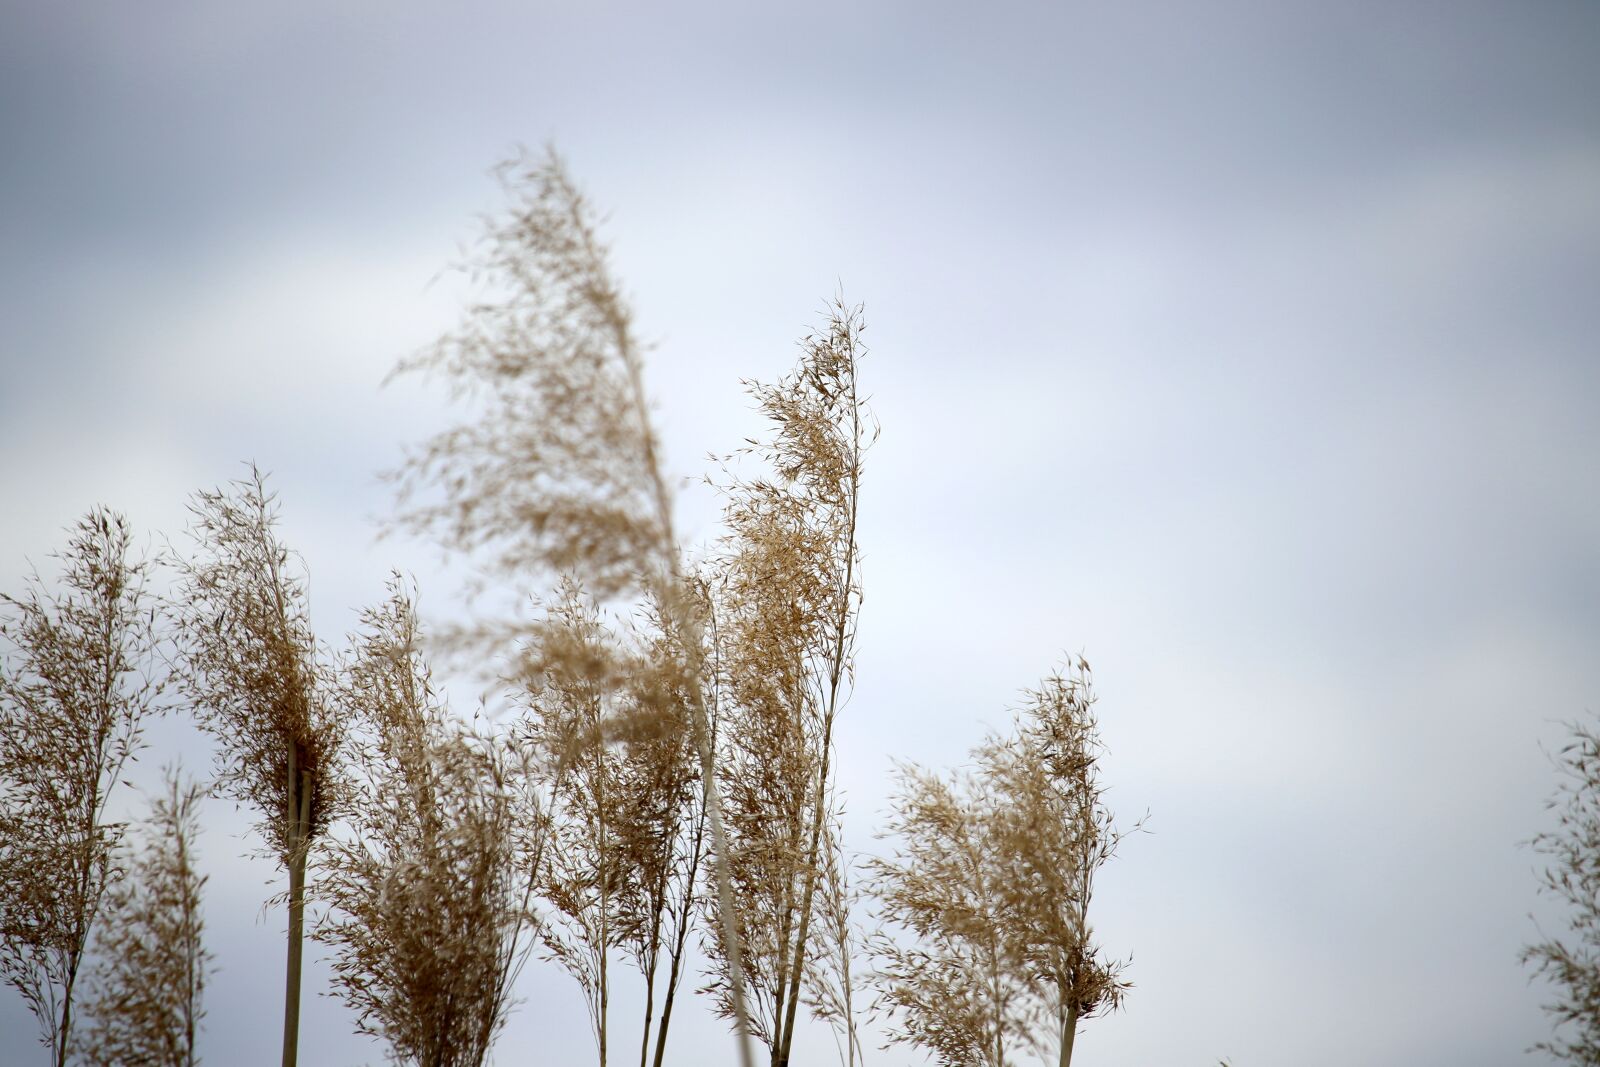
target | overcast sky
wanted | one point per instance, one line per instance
(1248, 349)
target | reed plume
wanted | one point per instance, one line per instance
(789, 592)
(151, 963)
(76, 684)
(430, 889)
(556, 470)
(991, 887)
(1570, 963)
(257, 681)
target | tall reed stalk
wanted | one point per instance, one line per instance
(252, 671)
(789, 593)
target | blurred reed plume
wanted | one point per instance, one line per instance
(76, 684)
(1571, 963)
(252, 671)
(993, 882)
(430, 889)
(661, 811)
(151, 963)
(607, 719)
(577, 673)
(555, 472)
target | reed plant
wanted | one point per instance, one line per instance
(260, 684)
(428, 887)
(990, 887)
(1569, 962)
(80, 675)
(150, 961)
(555, 470)
(789, 593)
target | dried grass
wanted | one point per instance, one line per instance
(76, 685)
(258, 682)
(993, 881)
(151, 962)
(430, 889)
(788, 593)
(555, 472)
(1570, 963)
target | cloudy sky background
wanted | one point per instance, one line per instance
(1248, 349)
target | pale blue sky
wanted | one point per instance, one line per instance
(1247, 348)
